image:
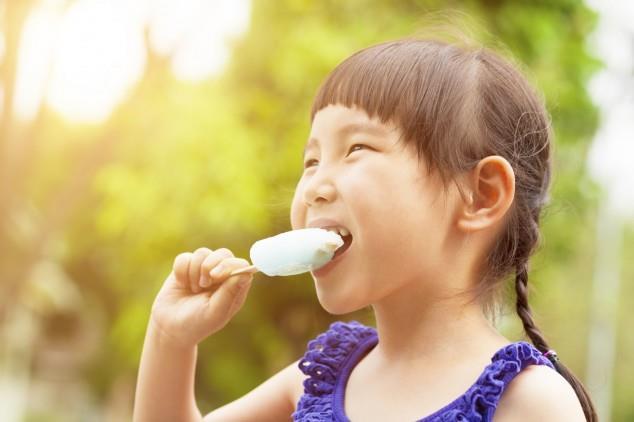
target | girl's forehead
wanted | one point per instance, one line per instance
(341, 114)
(337, 122)
(343, 120)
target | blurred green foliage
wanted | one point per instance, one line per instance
(182, 165)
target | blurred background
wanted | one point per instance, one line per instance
(131, 131)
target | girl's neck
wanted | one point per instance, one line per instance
(432, 331)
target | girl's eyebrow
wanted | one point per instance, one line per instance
(347, 130)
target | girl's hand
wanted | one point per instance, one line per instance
(193, 304)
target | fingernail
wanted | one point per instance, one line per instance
(216, 271)
(204, 282)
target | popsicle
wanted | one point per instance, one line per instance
(293, 252)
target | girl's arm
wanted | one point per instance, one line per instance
(197, 299)
(165, 388)
(193, 304)
(165, 384)
(272, 401)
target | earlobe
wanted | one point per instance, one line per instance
(492, 189)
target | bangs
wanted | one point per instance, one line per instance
(371, 79)
(413, 84)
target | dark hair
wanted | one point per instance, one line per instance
(458, 104)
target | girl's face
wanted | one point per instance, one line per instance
(357, 173)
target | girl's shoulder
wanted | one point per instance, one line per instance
(482, 400)
(539, 393)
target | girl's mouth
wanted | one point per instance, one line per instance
(347, 240)
(324, 270)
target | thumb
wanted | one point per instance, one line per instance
(230, 296)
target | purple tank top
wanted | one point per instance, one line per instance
(331, 356)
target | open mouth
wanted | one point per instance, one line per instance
(347, 241)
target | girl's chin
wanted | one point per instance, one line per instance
(339, 304)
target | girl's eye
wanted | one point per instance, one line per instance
(307, 163)
(356, 145)
(352, 149)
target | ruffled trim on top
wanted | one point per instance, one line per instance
(506, 364)
(322, 362)
(480, 401)
(328, 352)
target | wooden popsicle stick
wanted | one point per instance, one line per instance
(250, 269)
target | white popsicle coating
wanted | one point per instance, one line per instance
(295, 251)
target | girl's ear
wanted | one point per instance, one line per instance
(492, 193)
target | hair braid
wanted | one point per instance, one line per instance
(524, 311)
(536, 336)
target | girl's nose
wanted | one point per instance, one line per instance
(319, 188)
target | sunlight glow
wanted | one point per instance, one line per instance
(84, 61)
(2, 45)
(101, 57)
(34, 59)
(195, 33)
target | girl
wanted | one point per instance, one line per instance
(436, 158)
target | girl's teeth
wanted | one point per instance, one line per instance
(339, 230)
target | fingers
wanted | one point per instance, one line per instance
(181, 268)
(230, 295)
(194, 268)
(241, 287)
(210, 263)
(221, 271)
(202, 268)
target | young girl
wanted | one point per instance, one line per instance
(436, 158)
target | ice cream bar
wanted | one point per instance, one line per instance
(295, 251)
